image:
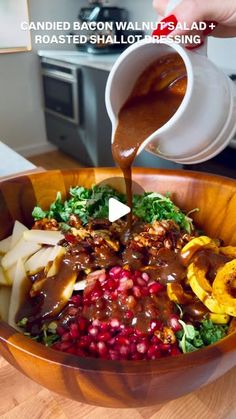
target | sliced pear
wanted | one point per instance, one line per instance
(38, 260)
(41, 259)
(56, 263)
(10, 274)
(20, 276)
(203, 290)
(80, 285)
(5, 245)
(18, 231)
(3, 276)
(21, 250)
(5, 295)
(225, 280)
(49, 237)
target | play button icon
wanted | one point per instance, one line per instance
(117, 210)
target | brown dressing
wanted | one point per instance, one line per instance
(48, 301)
(155, 98)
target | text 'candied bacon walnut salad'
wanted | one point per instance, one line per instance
(80, 284)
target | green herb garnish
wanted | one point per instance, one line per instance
(93, 203)
(191, 339)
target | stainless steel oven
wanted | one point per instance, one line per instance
(61, 89)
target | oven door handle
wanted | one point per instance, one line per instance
(59, 76)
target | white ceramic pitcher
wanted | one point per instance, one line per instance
(205, 121)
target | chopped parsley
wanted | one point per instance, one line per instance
(94, 203)
(191, 339)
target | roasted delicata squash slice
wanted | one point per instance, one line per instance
(177, 294)
(196, 244)
(203, 290)
(219, 318)
(229, 251)
(223, 285)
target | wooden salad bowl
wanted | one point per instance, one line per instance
(121, 383)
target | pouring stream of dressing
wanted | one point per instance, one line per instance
(155, 98)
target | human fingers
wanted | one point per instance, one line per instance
(160, 6)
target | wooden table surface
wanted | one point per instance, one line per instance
(21, 398)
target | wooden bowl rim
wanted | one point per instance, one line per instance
(201, 356)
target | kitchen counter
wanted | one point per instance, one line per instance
(22, 398)
(12, 162)
(98, 61)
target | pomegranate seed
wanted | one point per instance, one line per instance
(102, 349)
(115, 271)
(137, 356)
(175, 351)
(66, 337)
(128, 315)
(114, 295)
(164, 347)
(96, 323)
(122, 340)
(124, 350)
(93, 331)
(114, 323)
(127, 331)
(133, 348)
(155, 325)
(137, 291)
(114, 355)
(104, 327)
(145, 276)
(93, 347)
(174, 323)
(96, 294)
(72, 350)
(142, 347)
(133, 339)
(84, 342)
(82, 324)
(155, 339)
(72, 311)
(104, 337)
(141, 282)
(111, 342)
(65, 345)
(70, 238)
(125, 273)
(74, 330)
(126, 285)
(102, 278)
(60, 330)
(111, 285)
(155, 288)
(154, 352)
(139, 333)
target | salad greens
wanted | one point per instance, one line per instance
(86, 203)
(191, 339)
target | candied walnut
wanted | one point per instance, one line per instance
(46, 224)
(82, 233)
(167, 335)
(157, 228)
(74, 221)
(168, 244)
(106, 236)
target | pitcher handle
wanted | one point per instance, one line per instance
(202, 49)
